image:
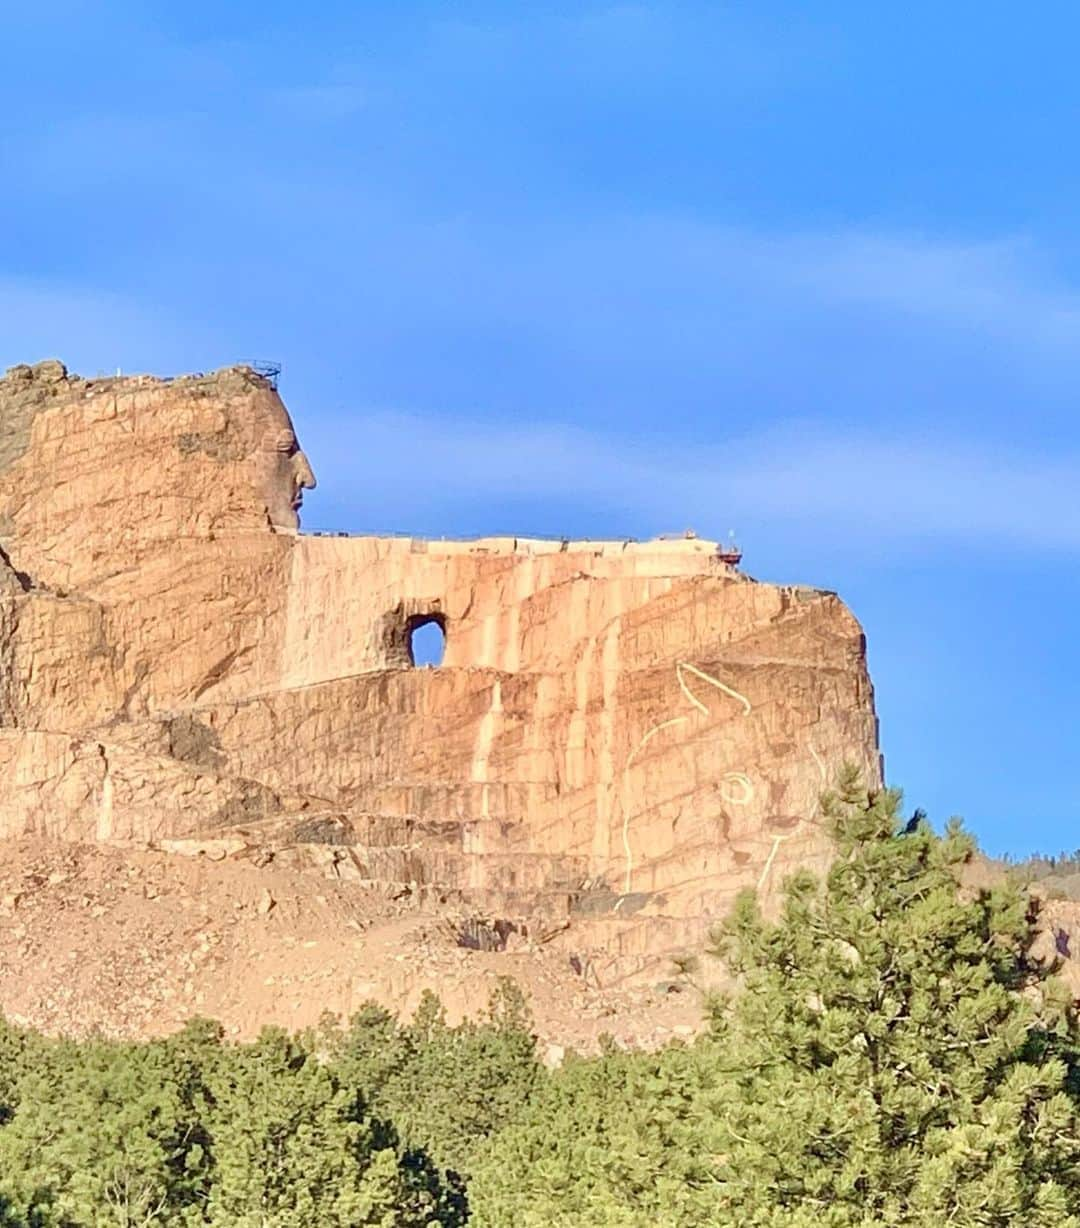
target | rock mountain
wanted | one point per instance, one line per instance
(620, 735)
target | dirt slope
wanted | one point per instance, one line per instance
(134, 942)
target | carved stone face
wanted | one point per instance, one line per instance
(282, 471)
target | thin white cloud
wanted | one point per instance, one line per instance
(1002, 288)
(995, 285)
(800, 479)
(964, 481)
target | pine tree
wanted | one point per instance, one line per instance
(443, 1089)
(895, 1054)
(615, 1141)
(893, 1057)
(103, 1135)
(290, 1152)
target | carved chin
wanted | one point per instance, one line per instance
(284, 513)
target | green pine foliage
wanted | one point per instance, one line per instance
(617, 1141)
(897, 1057)
(445, 1089)
(893, 1055)
(437, 1092)
(104, 1134)
(289, 1150)
(18, 1050)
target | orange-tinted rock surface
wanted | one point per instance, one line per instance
(619, 731)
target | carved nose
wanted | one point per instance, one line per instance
(305, 475)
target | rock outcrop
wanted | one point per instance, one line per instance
(619, 731)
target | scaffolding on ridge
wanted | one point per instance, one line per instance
(270, 371)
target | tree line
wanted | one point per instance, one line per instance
(895, 1056)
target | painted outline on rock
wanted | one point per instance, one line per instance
(739, 778)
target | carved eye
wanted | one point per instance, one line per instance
(284, 441)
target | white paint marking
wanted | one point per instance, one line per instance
(720, 686)
(675, 720)
(777, 841)
(743, 782)
(738, 778)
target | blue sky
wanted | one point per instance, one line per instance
(811, 272)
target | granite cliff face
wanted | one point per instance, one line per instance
(620, 735)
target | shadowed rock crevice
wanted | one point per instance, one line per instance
(251, 802)
(11, 577)
(325, 829)
(192, 741)
(481, 934)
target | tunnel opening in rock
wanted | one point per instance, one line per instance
(426, 635)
